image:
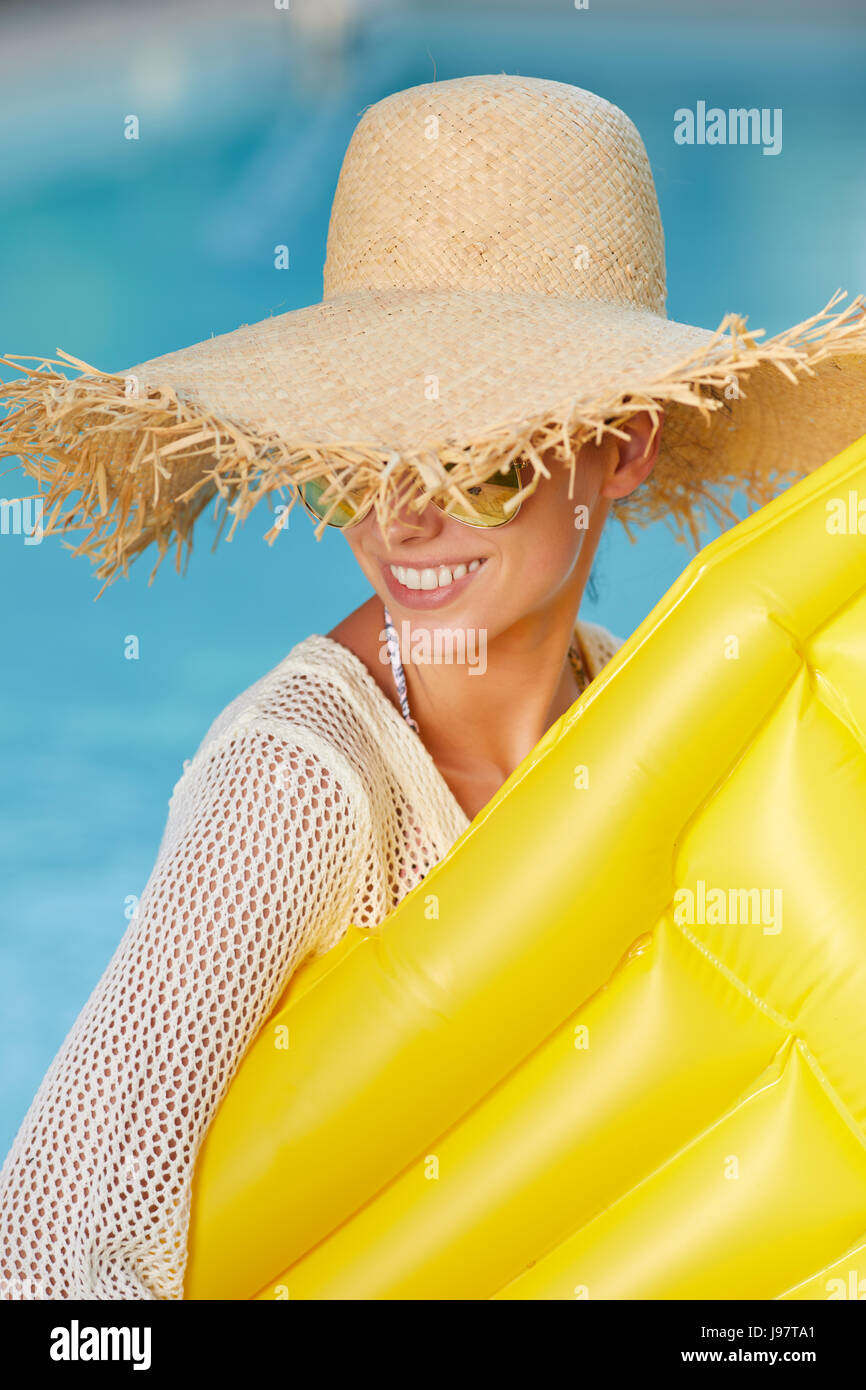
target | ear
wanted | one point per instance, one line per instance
(636, 455)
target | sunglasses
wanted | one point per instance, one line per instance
(488, 501)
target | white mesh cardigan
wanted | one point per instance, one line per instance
(310, 804)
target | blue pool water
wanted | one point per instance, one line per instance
(118, 251)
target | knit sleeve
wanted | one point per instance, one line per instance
(261, 851)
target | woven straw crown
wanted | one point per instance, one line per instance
(494, 287)
(503, 184)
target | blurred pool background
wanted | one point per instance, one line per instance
(119, 250)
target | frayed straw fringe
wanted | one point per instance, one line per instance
(144, 467)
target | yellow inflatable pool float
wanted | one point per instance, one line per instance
(614, 1045)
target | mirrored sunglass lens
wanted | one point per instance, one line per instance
(322, 503)
(489, 499)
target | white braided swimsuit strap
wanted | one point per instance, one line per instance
(397, 668)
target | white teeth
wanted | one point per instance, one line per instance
(430, 578)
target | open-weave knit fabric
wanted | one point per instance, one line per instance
(309, 805)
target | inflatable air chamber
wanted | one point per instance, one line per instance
(614, 1045)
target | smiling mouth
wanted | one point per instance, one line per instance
(438, 577)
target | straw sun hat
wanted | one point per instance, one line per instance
(494, 287)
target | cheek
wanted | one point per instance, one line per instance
(356, 538)
(548, 538)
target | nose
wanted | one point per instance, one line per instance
(406, 522)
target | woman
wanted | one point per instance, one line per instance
(489, 372)
(516, 589)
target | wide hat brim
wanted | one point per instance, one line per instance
(435, 387)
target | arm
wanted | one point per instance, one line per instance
(264, 844)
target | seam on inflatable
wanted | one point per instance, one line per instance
(840, 711)
(739, 984)
(777, 1061)
(409, 982)
(796, 639)
(843, 606)
(800, 641)
(781, 1021)
(851, 1253)
(830, 1090)
(805, 640)
(348, 951)
(741, 753)
(804, 665)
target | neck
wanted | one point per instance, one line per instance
(484, 718)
